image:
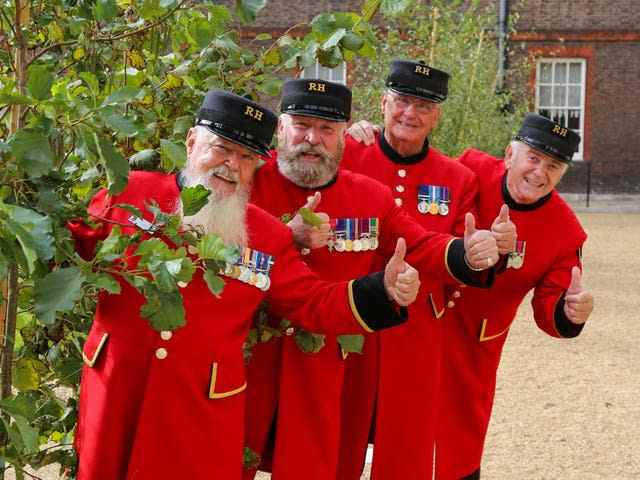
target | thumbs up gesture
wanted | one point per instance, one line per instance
(401, 280)
(578, 303)
(504, 231)
(480, 247)
(310, 229)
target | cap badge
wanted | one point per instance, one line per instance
(560, 131)
(423, 70)
(253, 113)
(317, 87)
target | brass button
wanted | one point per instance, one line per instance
(289, 331)
(399, 202)
(402, 173)
(451, 304)
(400, 188)
(457, 294)
(166, 335)
(305, 251)
(161, 353)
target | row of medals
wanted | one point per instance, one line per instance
(247, 275)
(433, 208)
(348, 245)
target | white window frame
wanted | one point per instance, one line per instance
(312, 71)
(583, 76)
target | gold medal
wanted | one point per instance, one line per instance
(236, 271)
(433, 208)
(348, 245)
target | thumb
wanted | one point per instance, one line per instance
(398, 255)
(575, 285)
(504, 214)
(469, 224)
(313, 201)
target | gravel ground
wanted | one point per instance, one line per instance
(569, 409)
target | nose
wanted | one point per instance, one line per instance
(313, 136)
(232, 160)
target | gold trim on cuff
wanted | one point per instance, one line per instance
(90, 362)
(212, 386)
(483, 338)
(354, 309)
(435, 309)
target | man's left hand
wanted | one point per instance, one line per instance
(401, 280)
(504, 231)
(578, 303)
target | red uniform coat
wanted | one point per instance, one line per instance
(406, 384)
(171, 405)
(310, 385)
(553, 238)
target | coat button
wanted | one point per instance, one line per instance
(451, 304)
(400, 188)
(289, 331)
(166, 335)
(305, 251)
(457, 294)
(161, 353)
(402, 173)
(399, 202)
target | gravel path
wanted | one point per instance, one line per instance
(569, 410)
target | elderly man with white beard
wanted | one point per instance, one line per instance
(170, 404)
(359, 228)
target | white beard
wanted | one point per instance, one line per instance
(303, 174)
(224, 217)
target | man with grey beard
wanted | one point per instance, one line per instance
(170, 404)
(358, 230)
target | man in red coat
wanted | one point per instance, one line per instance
(437, 192)
(170, 404)
(547, 260)
(362, 223)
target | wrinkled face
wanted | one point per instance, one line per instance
(224, 166)
(531, 174)
(309, 149)
(408, 119)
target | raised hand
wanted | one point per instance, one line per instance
(311, 236)
(481, 250)
(578, 303)
(363, 132)
(401, 280)
(504, 231)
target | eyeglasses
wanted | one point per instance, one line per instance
(404, 101)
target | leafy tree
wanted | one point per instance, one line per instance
(88, 87)
(454, 36)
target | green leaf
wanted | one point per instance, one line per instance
(121, 124)
(172, 155)
(25, 375)
(33, 232)
(114, 163)
(248, 9)
(263, 36)
(334, 39)
(392, 8)
(124, 95)
(309, 342)
(145, 160)
(39, 82)
(164, 310)
(33, 152)
(107, 283)
(106, 10)
(352, 41)
(57, 291)
(309, 217)
(351, 343)
(193, 199)
(28, 434)
(250, 459)
(271, 86)
(214, 282)
(369, 9)
(21, 405)
(14, 99)
(272, 57)
(91, 80)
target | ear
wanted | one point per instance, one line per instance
(508, 156)
(383, 101)
(436, 114)
(191, 140)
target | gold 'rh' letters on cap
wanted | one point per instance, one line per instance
(254, 113)
(317, 87)
(423, 70)
(558, 130)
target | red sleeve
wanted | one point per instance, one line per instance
(468, 203)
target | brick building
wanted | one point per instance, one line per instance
(585, 73)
